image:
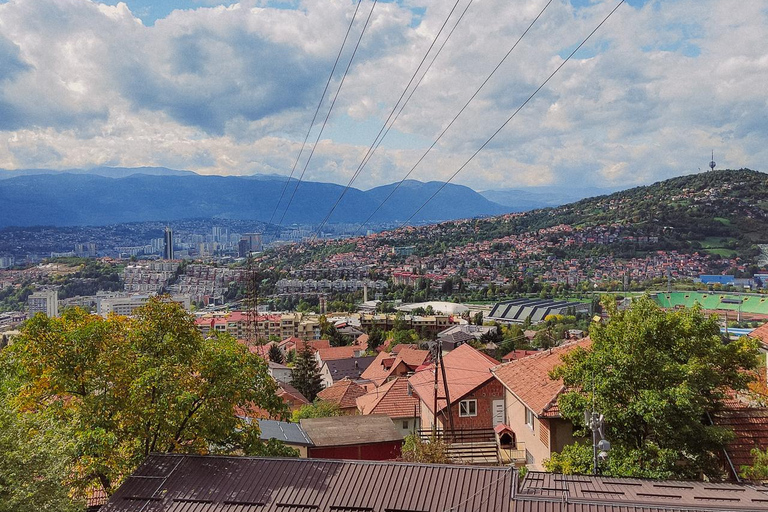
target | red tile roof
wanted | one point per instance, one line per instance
(750, 426)
(391, 399)
(528, 378)
(344, 393)
(334, 353)
(466, 368)
(290, 395)
(381, 368)
(761, 333)
(518, 354)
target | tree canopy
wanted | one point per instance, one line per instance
(123, 388)
(655, 376)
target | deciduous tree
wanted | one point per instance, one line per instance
(126, 387)
(655, 376)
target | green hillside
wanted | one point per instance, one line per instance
(720, 212)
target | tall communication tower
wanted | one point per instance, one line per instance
(712, 163)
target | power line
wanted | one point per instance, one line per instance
(314, 117)
(487, 79)
(379, 137)
(325, 121)
(513, 114)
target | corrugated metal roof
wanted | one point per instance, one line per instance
(189, 483)
(549, 492)
(291, 433)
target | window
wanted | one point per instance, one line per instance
(405, 424)
(467, 408)
(529, 417)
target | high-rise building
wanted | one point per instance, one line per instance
(253, 241)
(168, 239)
(44, 301)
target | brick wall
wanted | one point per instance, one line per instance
(485, 395)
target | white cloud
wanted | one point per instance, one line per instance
(230, 89)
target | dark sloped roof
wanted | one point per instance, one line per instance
(290, 433)
(193, 483)
(351, 430)
(351, 368)
(548, 492)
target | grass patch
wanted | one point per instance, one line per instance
(725, 253)
(723, 221)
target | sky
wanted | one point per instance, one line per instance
(230, 88)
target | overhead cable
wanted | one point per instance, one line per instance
(317, 110)
(387, 125)
(471, 98)
(330, 109)
(446, 182)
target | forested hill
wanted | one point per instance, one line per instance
(723, 203)
(722, 213)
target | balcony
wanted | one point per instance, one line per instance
(478, 446)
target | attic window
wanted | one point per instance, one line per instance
(467, 408)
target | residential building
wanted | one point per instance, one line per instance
(389, 365)
(334, 353)
(206, 483)
(359, 437)
(45, 302)
(338, 369)
(343, 393)
(168, 244)
(291, 434)
(280, 372)
(476, 331)
(749, 423)
(477, 399)
(396, 400)
(530, 403)
(125, 305)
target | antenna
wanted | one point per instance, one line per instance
(712, 163)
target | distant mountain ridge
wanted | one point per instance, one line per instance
(531, 198)
(88, 197)
(107, 172)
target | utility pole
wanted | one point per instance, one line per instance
(434, 408)
(445, 386)
(600, 445)
(251, 302)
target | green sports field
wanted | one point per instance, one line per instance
(714, 300)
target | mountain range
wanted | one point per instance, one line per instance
(108, 195)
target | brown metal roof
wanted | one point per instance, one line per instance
(540, 492)
(190, 483)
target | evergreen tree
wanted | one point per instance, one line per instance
(275, 355)
(306, 374)
(375, 339)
